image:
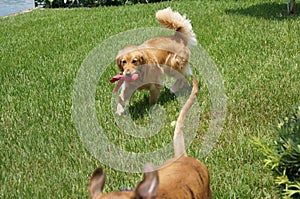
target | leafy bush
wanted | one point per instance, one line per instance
(125, 2)
(66, 3)
(282, 154)
(77, 3)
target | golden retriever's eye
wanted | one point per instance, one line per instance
(134, 61)
(123, 61)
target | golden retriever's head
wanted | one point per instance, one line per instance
(130, 59)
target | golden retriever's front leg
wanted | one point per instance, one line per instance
(154, 93)
(124, 96)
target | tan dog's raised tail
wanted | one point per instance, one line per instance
(157, 57)
(182, 177)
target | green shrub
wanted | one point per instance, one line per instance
(77, 3)
(67, 3)
(282, 154)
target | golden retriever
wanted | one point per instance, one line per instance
(156, 57)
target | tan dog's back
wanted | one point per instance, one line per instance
(186, 177)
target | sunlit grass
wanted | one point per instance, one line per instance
(254, 44)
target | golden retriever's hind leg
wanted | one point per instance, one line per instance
(181, 81)
(154, 93)
(188, 71)
(179, 84)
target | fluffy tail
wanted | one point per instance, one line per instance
(175, 21)
(179, 147)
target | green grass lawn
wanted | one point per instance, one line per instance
(254, 44)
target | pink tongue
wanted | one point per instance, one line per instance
(133, 77)
(120, 80)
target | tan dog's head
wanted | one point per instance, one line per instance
(130, 59)
(146, 189)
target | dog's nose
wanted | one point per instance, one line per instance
(128, 73)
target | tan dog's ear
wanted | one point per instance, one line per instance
(97, 182)
(119, 63)
(148, 187)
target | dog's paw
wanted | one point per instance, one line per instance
(120, 110)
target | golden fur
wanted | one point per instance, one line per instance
(156, 57)
(182, 177)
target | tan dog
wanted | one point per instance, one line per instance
(182, 177)
(157, 56)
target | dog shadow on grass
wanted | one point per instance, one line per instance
(268, 10)
(141, 108)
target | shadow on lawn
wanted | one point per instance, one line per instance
(272, 11)
(142, 107)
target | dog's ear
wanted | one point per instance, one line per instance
(145, 57)
(119, 63)
(97, 182)
(142, 59)
(148, 187)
